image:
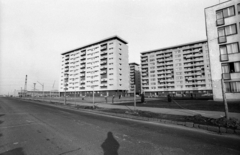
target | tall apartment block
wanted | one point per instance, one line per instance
(181, 69)
(135, 78)
(101, 67)
(223, 34)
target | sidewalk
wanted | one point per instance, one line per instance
(184, 112)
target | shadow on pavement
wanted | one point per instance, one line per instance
(17, 151)
(110, 146)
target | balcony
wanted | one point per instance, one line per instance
(103, 47)
(82, 66)
(104, 80)
(103, 86)
(83, 58)
(103, 72)
(103, 63)
(222, 39)
(223, 57)
(103, 67)
(82, 83)
(103, 53)
(226, 76)
(82, 87)
(220, 22)
(104, 58)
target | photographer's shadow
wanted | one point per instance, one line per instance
(110, 146)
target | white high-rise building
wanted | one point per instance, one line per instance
(223, 34)
(101, 67)
(182, 69)
(135, 78)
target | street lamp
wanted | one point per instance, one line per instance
(93, 98)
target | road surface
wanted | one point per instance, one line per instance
(28, 128)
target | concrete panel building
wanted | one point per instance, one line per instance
(101, 67)
(222, 28)
(182, 69)
(135, 78)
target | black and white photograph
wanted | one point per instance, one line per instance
(119, 77)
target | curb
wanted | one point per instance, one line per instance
(219, 130)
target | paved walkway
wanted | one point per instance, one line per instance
(185, 112)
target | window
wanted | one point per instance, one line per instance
(177, 56)
(179, 73)
(232, 67)
(227, 30)
(152, 60)
(178, 64)
(229, 48)
(232, 87)
(226, 12)
(238, 8)
(179, 77)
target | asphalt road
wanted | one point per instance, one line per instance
(28, 128)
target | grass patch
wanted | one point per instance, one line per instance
(189, 104)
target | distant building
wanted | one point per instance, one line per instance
(38, 93)
(101, 67)
(223, 34)
(182, 69)
(135, 78)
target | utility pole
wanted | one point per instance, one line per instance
(134, 97)
(42, 88)
(93, 98)
(224, 99)
(25, 87)
(34, 88)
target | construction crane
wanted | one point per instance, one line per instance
(42, 87)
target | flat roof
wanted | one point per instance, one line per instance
(217, 4)
(195, 42)
(133, 63)
(98, 42)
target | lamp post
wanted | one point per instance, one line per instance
(134, 97)
(224, 99)
(93, 98)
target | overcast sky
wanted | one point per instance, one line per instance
(33, 33)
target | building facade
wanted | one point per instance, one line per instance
(101, 67)
(135, 78)
(223, 34)
(182, 70)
